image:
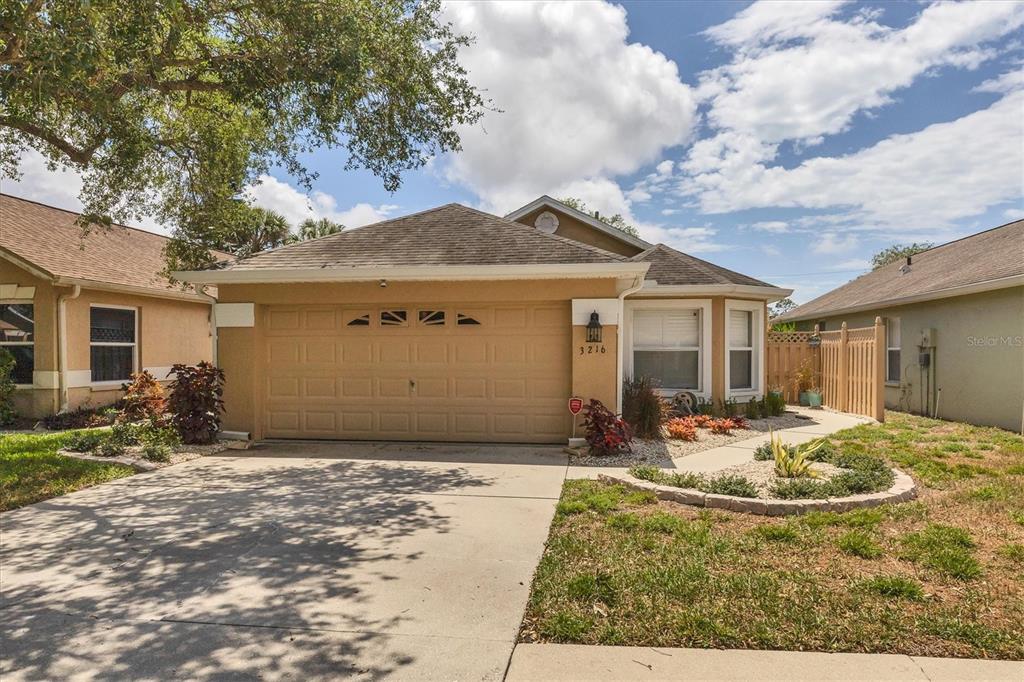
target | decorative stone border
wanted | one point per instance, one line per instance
(140, 465)
(903, 490)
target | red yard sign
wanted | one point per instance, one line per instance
(575, 405)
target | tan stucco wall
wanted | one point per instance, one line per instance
(239, 347)
(170, 331)
(571, 228)
(595, 368)
(978, 359)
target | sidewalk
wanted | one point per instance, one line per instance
(580, 662)
(822, 423)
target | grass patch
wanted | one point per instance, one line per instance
(939, 576)
(32, 471)
(860, 544)
(894, 586)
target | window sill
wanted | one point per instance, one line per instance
(107, 385)
(892, 384)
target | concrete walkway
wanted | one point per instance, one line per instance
(819, 423)
(578, 662)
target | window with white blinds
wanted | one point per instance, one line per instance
(892, 349)
(741, 349)
(666, 347)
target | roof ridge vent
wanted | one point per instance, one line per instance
(905, 268)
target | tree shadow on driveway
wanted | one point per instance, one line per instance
(252, 567)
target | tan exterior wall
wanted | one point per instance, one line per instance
(170, 331)
(595, 368)
(978, 360)
(239, 348)
(571, 228)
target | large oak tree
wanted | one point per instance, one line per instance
(171, 108)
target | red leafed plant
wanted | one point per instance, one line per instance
(726, 424)
(143, 399)
(701, 420)
(606, 433)
(197, 400)
(681, 428)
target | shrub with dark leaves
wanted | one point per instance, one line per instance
(197, 401)
(606, 433)
(7, 413)
(81, 418)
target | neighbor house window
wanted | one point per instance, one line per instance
(892, 350)
(17, 335)
(666, 347)
(741, 349)
(112, 341)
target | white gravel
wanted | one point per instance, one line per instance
(661, 453)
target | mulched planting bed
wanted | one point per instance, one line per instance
(661, 453)
(941, 576)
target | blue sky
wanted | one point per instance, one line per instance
(788, 141)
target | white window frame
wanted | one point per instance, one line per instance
(135, 346)
(32, 343)
(757, 310)
(888, 347)
(703, 306)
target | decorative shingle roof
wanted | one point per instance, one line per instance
(49, 239)
(988, 256)
(449, 235)
(672, 267)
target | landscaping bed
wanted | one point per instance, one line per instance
(939, 576)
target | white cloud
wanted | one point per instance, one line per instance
(1013, 213)
(275, 195)
(833, 243)
(577, 100)
(1007, 82)
(770, 250)
(772, 226)
(921, 180)
(851, 264)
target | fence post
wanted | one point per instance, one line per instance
(878, 375)
(842, 389)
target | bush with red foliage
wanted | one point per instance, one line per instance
(606, 433)
(725, 425)
(197, 400)
(681, 428)
(701, 420)
(144, 399)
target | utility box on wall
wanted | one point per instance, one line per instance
(927, 338)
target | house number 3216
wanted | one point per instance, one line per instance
(591, 348)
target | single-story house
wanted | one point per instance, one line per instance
(81, 313)
(452, 324)
(954, 318)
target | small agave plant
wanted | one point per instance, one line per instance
(794, 461)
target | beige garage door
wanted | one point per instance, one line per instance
(497, 373)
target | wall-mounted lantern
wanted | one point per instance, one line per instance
(594, 328)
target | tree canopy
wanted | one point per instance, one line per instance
(321, 227)
(781, 306)
(898, 252)
(171, 109)
(616, 221)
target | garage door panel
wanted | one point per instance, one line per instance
(503, 379)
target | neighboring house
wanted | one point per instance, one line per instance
(456, 325)
(954, 319)
(81, 313)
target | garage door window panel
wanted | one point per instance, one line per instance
(394, 318)
(432, 318)
(112, 340)
(667, 347)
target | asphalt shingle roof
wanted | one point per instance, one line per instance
(447, 235)
(990, 255)
(51, 240)
(672, 267)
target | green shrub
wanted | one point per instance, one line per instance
(125, 433)
(894, 586)
(111, 448)
(152, 434)
(794, 462)
(857, 482)
(7, 387)
(642, 408)
(676, 479)
(764, 453)
(738, 486)
(156, 452)
(800, 489)
(753, 409)
(774, 405)
(85, 441)
(860, 544)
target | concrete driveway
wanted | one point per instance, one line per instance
(305, 561)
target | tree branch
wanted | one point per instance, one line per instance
(81, 156)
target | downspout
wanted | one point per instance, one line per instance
(213, 322)
(62, 345)
(638, 283)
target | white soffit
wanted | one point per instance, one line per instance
(235, 314)
(607, 310)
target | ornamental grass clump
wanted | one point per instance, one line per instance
(642, 408)
(794, 462)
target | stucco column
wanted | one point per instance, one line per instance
(595, 365)
(239, 357)
(718, 354)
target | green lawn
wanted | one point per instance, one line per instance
(941, 576)
(31, 470)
